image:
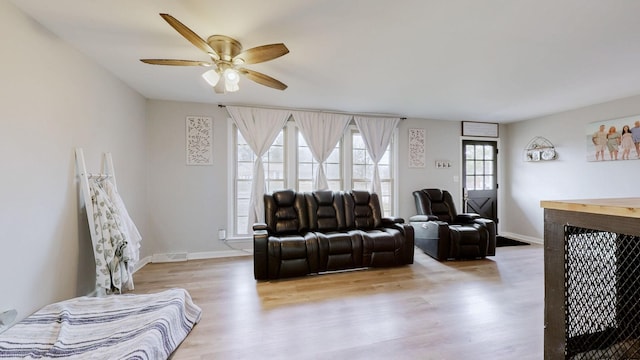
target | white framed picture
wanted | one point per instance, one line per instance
(199, 142)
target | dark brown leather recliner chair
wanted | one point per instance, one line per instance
(444, 234)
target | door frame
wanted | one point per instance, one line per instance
(499, 174)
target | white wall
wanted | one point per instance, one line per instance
(442, 143)
(188, 204)
(53, 99)
(568, 177)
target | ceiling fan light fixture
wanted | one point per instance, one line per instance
(227, 59)
(231, 79)
(211, 77)
(231, 87)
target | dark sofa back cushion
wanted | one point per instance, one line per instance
(326, 210)
(435, 202)
(362, 210)
(423, 203)
(285, 212)
(441, 204)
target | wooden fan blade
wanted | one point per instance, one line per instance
(262, 53)
(262, 79)
(190, 35)
(174, 62)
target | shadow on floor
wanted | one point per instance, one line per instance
(504, 241)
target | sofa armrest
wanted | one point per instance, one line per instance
(490, 225)
(430, 229)
(433, 238)
(409, 243)
(422, 218)
(407, 233)
(392, 220)
(259, 226)
(408, 236)
(466, 218)
(260, 254)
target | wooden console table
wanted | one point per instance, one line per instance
(592, 278)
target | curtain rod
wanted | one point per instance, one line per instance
(324, 111)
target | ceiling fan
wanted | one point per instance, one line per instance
(227, 59)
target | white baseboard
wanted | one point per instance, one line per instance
(175, 257)
(169, 257)
(529, 239)
(144, 261)
(219, 254)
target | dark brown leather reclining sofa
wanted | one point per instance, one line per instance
(308, 233)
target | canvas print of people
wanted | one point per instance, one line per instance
(612, 140)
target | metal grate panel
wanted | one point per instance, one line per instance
(602, 297)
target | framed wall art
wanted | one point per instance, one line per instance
(416, 148)
(199, 144)
(616, 139)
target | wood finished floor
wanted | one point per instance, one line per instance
(479, 309)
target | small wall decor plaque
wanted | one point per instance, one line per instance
(199, 145)
(416, 148)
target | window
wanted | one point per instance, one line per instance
(274, 165)
(362, 171)
(479, 167)
(307, 166)
(289, 164)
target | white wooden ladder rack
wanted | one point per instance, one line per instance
(107, 173)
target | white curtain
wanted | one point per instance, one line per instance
(321, 131)
(259, 127)
(376, 133)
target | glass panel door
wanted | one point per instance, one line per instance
(479, 159)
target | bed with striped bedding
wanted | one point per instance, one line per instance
(147, 326)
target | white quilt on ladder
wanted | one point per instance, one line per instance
(132, 250)
(117, 246)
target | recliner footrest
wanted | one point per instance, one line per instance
(465, 242)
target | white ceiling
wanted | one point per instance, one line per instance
(475, 60)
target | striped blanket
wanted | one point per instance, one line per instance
(149, 326)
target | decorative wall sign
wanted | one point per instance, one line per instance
(482, 129)
(617, 139)
(416, 148)
(199, 145)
